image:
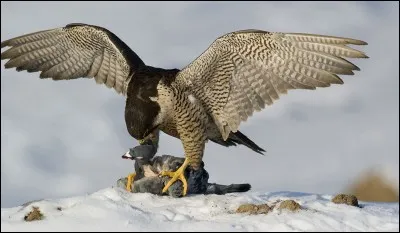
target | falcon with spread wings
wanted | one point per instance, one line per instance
(239, 73)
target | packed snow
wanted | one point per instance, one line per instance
(114, 209)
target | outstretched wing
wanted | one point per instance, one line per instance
(242, 72)
(74, 51)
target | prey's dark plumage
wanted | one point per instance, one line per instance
(148, 168)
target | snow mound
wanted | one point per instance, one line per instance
(114, 209)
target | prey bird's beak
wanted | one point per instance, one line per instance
(127, 156)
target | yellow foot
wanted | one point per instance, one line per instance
(129, 182)
(177, 175)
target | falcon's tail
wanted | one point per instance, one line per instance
(241, 139)
(221, 189)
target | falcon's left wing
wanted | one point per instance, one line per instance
(243, 71)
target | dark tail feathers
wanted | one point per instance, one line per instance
(221, 189)
(240, 138)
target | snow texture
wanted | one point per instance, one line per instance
(114, 209)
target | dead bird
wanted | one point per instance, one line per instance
(148, 169)
(142, 155)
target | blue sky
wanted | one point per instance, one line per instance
(66, 138)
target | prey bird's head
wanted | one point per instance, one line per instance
(141, 152)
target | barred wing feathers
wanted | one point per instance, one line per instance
(74, 51)
(244, 71)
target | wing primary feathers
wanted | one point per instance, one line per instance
(284, 61)
(303, 37)
(74, 51)
(31, 37)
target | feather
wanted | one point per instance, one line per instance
(267, 65)
(74, 51)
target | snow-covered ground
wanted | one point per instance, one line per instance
(113, 209)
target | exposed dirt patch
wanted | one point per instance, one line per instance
(289, 205)
(34, 215)
(345, 199)
(254, 209)
(246, 208)
(266, 208)
(263, 209)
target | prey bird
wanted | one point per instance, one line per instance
(239, 73)
(147, 177)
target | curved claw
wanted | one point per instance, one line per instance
(177, 175)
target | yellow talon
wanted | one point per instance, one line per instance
(177, 175)
(129, 182)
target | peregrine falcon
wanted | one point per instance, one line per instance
(239, 73)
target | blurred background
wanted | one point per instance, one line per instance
(66, 138)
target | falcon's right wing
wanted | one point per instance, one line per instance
(74, 51)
